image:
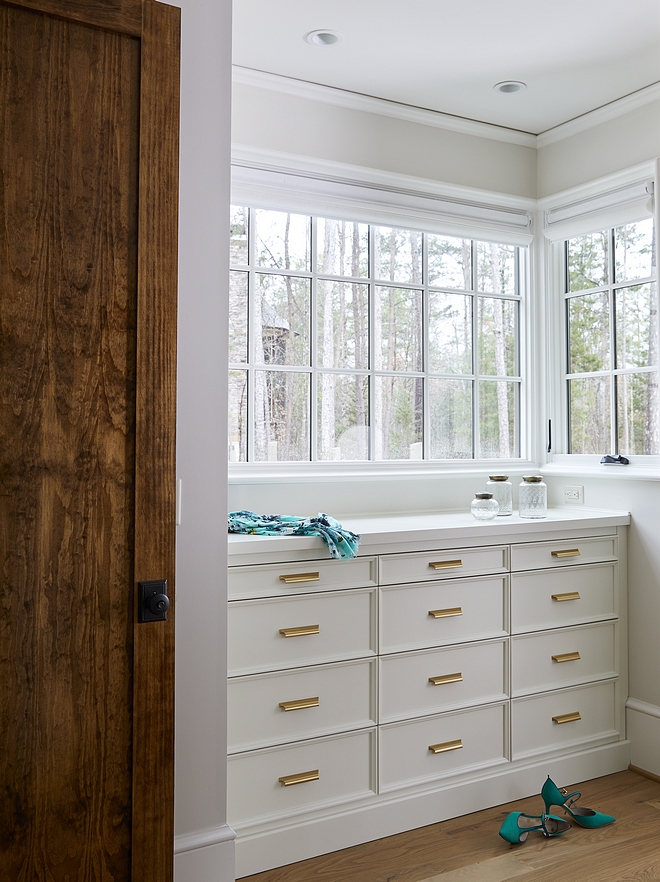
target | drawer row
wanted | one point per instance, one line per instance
(283, 781)
(277, 707)
(267, 580)
(283, 632)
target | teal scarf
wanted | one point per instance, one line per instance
(341, 543)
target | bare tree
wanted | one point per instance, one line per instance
(500, 354)
(327, 379)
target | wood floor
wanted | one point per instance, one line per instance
(468, 849)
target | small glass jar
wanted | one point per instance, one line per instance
(533, 497)
(500, 487)
(484, 507)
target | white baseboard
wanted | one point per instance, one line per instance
(302, 840)
(643, 728)
(205, 855)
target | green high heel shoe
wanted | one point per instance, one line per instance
(585, 817)
(517, 826)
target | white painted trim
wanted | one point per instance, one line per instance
(600, 115)
(372, 470)
(368, 104)
(202, 838)
(307, 166)
(642, 707)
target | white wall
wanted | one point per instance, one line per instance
(293, 124)
(203, 842)
(606, 148)
(352, 497)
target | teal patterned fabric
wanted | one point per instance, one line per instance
(341, 543)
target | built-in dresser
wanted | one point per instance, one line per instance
(451, 666)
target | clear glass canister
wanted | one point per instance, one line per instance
(484, 507)
(533, 497)
(500, 487)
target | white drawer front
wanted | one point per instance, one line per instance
(345, 765)
(549, 599)
(433, 565)
(301, 577)
(435, 680)
(534, 730)
(416, 616)
(545, 660)
(268, 709)
(344, 622)
(565, 553)
(464, 740)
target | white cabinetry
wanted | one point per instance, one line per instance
(452, 666)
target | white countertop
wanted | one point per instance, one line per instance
(420, 532)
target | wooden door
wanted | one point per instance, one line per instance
(88, 219)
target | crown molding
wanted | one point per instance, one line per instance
(366, 103)
(600, 115)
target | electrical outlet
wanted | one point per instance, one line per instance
(573, 494)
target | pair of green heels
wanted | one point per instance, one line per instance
(518, 825)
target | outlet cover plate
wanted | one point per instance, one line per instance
(573, 494)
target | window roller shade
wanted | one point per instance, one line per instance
(612, 209)
(284, 190)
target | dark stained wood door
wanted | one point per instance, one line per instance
(88, 220)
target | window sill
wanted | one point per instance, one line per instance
(616, 472)
(308, 472)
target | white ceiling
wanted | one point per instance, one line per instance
(446, 55)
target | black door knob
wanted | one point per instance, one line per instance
(158, 603)
(153, 602)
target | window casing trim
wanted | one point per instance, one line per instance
(550, 251)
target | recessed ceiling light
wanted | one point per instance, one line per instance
(323, 38)
(509, 86)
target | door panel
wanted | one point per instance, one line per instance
(77, 232)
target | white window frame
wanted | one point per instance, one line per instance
(609, 202)
(358, 194)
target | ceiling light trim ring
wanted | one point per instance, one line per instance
(324, 37)
(510, 87)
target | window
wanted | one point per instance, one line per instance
(612, 341)
(352, 342)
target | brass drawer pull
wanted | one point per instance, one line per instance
(447, 678)
(446, 564)
(300, 577)
(446, 746)
(300, 778)
(572, 552)
(567, 718)
(446, 613)
(566, 657)
(303, 631)
(570, 595)
(299, 704)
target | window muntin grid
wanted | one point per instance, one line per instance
(405, 345)
(611, 317)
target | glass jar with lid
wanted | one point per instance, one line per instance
(484, 507)
(502, 490)
(533, 497)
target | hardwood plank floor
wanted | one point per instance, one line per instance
(468, 849)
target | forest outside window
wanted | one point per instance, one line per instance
(356, 342)
(612, 341)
